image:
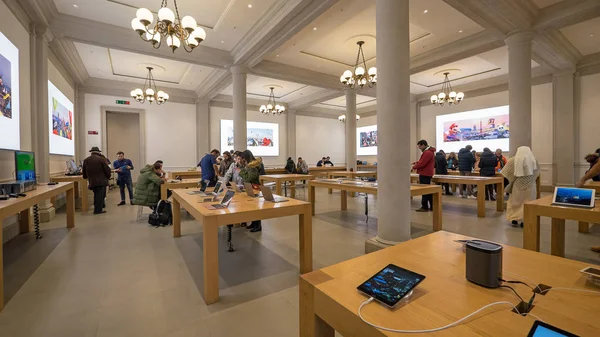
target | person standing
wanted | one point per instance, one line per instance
(208, 165)
(487, 168)
(123, 167)
(521, 171)
(252, 169)
(225, 164)
(97, 172)
(452, 161)
(441, 167)
(425, 169)
(466, 162)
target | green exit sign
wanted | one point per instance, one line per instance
(123, 102)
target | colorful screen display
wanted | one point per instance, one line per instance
(61, 119)
(262, 138)
(10, 137)
(25, 165)
(391, 284)
(366, 140)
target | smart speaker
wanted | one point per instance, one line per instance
(484, 263)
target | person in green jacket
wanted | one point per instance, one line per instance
(252, 168)
(147, 189)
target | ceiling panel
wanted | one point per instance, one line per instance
(585, 36)
(112, 64)
(546, 3)
(339, 103)
(225, 21)
(286, 92)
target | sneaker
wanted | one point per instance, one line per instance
(121, 203)
(423, 209)
(449, 193)
(472, 197)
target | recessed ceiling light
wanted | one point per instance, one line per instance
(222, 41)
(277, 55)
(460, 31)
(314, 28)
(75, 6)
(425, 11)
(592, 35)
(249, 5)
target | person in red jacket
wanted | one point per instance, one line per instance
(425, 168)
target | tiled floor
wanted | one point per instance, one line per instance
(113, 276)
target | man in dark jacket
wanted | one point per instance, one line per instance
(425, 168)
(97, 172)
(123, 167)
(466, 162)
(487, 168)
(441, 167)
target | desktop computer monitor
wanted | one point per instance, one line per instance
(25, 165)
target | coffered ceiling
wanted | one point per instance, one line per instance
(258, 87)
(585, 36)
(226, 21)
(545, 3)
(339, 103)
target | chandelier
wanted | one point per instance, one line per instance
(272, 107)
(177, 31)
(149, 92)
(359, 77)
(342, 118)
(447, 95)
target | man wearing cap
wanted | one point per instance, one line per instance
(97, 172)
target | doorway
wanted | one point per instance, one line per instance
(123, 133)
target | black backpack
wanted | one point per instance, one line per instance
(162, 215)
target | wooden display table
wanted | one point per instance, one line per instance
(329, 299)
(481, 183)
(278, 179)
(184, 183)
(81, 189)
(21, 206)
(367, 167)
(371, 188)
(535, 209)
(351, 175)
(242, 209)
(275, 170)
(322, 171)
(595, 185)
(185, 174)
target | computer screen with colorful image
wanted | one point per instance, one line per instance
(25, 165)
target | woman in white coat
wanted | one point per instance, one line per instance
(521, 171)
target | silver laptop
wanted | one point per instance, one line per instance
(215, 192)
(268, 195)
(225, 202)
(250, 191)
(574, 197)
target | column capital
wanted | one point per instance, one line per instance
(519, 38)
(239, 69)
(202, 100)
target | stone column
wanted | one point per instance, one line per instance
(564, 128)
(239, 108)
(393, 114)
(291, 134)
(81, 150)
(39, 115)
(519, 88)
(202, 128)
(350, 129)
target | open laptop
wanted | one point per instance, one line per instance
(250, 191)
(224, 203)
(235, 187)
(574, 197)
(215, 192)
(268, 195)
(203, 184)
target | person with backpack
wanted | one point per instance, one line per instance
(487, 168)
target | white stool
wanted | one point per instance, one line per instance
(140, 213)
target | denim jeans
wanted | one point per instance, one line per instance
(122, 185)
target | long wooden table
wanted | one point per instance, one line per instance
(279, 179)
(242, 209)
(81, 189)
(481, 183)
(535, 209)
(329, 300)
(184, 183)
(21, 206)
(185, 174)
(371, 188)
(314, 170)
(351, 175)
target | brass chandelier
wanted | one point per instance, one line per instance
(447, 95)
(272, 108)
(359, 77)
(170, 27)
(150, 92)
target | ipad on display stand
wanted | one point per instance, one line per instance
(574, 197)
(391, 285)
(541, 329)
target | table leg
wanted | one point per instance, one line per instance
(24, 221)
(71, 207)
(83, 194)
(584, 227)
(176, 210)
(163, 192)
(278, 187)
(531, 229)
(311, 325)
(557, 239)
(210, 251)
(480, 200)
(500, 197)
(437, 211)
(344, 198)
(311, 197)
(293, 189)
(305, 223)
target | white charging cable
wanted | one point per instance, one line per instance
(440, 328)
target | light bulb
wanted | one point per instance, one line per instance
(192, 42)
(139, 92)
(372, 71)
(277, 107)
(347, 74)
(282, 108)
(154, 37)
(188, 23)
(149, 92)
(460, 96)
(359, 71)
(160, 94)
(166, 15)
(343, 79)
(452, 95)
(441, 96)
(173, 42)
(138, 26)
(269, 106)
(357, 117)
(132, 93)
(145, 16)
(199, 34)
(434, 99)
(263, 108)
(166, 97)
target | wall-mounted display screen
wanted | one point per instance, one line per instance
(366, 140)
(262, 138)
(61, 118)
(25, 165)
(480, 128)
(10, 138)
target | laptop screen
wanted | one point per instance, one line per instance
(227, 197)
(217, 187)
(574, 196)
(541, 329)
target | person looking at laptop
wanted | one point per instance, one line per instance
(147, 188)
(327, 161)
(425, 168)
(320, 162)
(252, 169)
(225, 164)
(123, 167)
(521, 171)
(208, 165)
(233, 174)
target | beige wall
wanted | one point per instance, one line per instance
(123, 134)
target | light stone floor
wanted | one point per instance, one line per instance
(112, 276)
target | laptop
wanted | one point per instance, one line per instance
(224, 203)
(215, 192)
(574, 197)
(269, 195)
(250, 191)
(203, 184)
(235, 187)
